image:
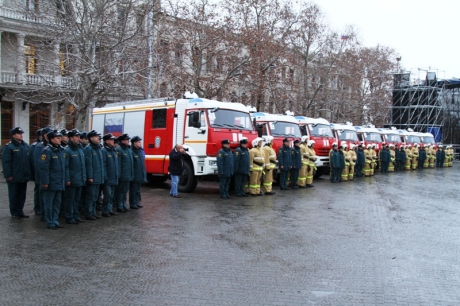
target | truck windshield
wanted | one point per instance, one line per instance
(285, 129)
(393, 138)
(320, 130)
(428, 139)
(348, 135)
(373, 137)
(413, 139)
(230, 119)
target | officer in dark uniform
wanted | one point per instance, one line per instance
(52, 178)
(296, 164)
(113, 174)
(16, 170)
(336, 164)
(32, 172)
(125, 161)
(421, 157)
(37, 155)
(385, 159)
(241, 167)
(360, 160)
(401, 158)
(284, 163)
(95, 174)
(76, 177)
(84, 139)
(225, 168)
(140, 174)
(64, 138)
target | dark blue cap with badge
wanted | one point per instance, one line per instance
(296, 141)
(93, 133)
(64, 132)
(73, 133)
(84, 135)
(108, 136)
(225, 141)
(285, 140)
(124, 137)
(39, 132)
(53, 134)
(16, 130)
(46, 130)
(135, 139)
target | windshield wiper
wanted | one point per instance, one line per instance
(216, 124)
(240, 126)
(229, 125)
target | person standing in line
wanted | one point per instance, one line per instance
(241, 167)
(301, 182)
(224, 168)
(32, 172)
(256, 166)
(112, 175)
(352, 158)
(360, 160)
(16, 171)
(440, 157)
(402, 158)
(53, 178)
(75, 177)
(407, 165)
(335, 164)
(176, 167)
(126, 165)
(391, 167)
(284, 163)
(37, 155)
(385, 159)
(342, 160)
(415, 150)
(140, 174)
(95, 174)
(296, 164)
(311, 163)
(270, 164)
(346, 156)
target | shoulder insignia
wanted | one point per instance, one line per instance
(43, 157)
(236, 153)
(65, 155)
(220, 154)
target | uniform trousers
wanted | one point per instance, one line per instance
(240, 181)
(254, 181)
(17, 197)
(283, 178)
(294, 177)
(224, 185)
(92, 194)
(52, 200)
(134, 194)
(109, 198)
(72, 203)
(268, 181)
(123, 187)
(37, 198)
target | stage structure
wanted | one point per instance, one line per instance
(432, 106)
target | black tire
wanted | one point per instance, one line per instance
(188, 180)
(152, 179)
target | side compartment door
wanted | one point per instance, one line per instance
(158, 138)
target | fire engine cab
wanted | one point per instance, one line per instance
(391, 136)
(369, 135)
(319, 130)
(345, 132)
(427, 139)
(411, 137)
(199, 124)
(278, 126)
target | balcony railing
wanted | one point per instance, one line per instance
(9, 77)
(28, 16)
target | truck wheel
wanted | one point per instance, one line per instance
(152, 179)
(188, 181)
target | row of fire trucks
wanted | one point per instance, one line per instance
(201, 124)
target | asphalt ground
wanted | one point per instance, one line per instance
(391, 239)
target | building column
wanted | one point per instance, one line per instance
(21, 59)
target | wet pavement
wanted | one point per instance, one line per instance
(388, 240)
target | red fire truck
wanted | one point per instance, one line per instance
(391, 136)
(319, 130)
(199, 124)
(370, 135)
(278, 126)
(345, 133)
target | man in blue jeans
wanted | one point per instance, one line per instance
(176, 166)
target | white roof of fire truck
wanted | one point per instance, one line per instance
(156, 103)
(309, 120)
(366, 129)
(273, 117)
(388, 131)
(346, 127)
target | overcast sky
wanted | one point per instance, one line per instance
(423, 32)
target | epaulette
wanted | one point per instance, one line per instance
(8, 143)
(46, 148)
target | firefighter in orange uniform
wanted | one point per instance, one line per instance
(256, 166)
(407, 166)
(304, 169)
(346, 156)
(431, 152)
(352, 160)
(270, 163)
(374, 159)
(391, 167)
(311, 163)
(415, 157)
(368, 162)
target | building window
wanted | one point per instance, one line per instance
(63, 62)
(219, 64)
(31, 6)
(159, 118)
(31, 60)
(70, 117)
(178, 54)
(39, 117)
(7, 121)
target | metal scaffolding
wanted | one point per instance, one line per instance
(432, 106)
